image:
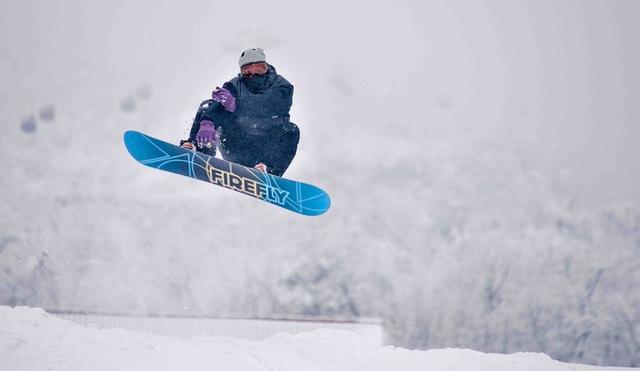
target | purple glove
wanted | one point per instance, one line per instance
(224, 97)
(206, 136)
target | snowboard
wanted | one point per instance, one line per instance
(298, 197)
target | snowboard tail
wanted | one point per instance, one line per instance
(302, 198)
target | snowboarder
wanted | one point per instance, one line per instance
(248, 118)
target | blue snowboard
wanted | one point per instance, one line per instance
(299, 197)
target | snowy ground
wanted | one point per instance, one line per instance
(31, 339)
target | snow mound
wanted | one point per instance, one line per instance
(31, 339)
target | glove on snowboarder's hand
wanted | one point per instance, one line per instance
(224, 97)
(206, 136)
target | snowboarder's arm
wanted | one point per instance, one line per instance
(224, 97)
(205, 110)
(232, 89)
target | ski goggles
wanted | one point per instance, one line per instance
(249, 70)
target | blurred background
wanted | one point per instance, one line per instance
(481, 156)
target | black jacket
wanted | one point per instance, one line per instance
(259, 130)
(261, 111)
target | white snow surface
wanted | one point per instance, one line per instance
(31, 339)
